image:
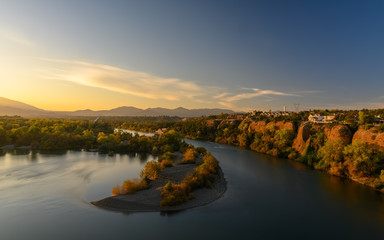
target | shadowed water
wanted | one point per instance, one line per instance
(46, 195)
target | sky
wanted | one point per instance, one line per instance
(239, 55)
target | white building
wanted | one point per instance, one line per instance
(318, 118)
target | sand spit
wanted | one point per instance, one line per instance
(149, 200)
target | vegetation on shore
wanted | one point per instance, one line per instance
(357, 160)
(174, 193)
(58, 134)
(202, 176)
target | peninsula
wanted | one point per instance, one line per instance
(150, 199)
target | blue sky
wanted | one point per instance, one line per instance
(242, 55)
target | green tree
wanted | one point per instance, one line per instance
(362, 119)
(332, 151)
(361, 159)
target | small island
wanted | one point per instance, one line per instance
(175, 181)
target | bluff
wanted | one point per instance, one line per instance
(339, 132)
(336, 133)
(372, 137)
(302, 140)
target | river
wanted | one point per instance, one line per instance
(46, 196)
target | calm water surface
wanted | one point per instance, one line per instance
(45, 196)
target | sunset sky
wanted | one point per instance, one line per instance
(240, 55)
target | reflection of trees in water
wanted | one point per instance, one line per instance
(33, 153)
(53, 152)
(360, 198)
(170, 213)
(131, 157)
(143, 156)
(162, 213)
(18, 152)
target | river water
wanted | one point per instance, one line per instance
(46, 196)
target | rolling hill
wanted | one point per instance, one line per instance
(11, 108)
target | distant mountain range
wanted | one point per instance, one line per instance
(11, 108)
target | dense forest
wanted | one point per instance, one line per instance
(57, 134)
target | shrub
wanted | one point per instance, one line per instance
(201, 150)
(361, 159)
(332, 151)
(274, 152)
(189, 156)
(293, 155)
(166, 156)
(202, 176)
(382, 175)
(130, 187)
(166, 148)
(284, 138)
(337, 169)
(116, 190)
(318, 140)
(166, 163)
(151, 170)
(174, 194)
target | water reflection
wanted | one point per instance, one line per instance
(354, 196)
(19, 152)
(33, 156)
(53, 152)
(267, 198)
(143, 156)
(171, 213)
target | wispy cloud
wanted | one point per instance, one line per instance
(229, 99)
(221, 95)
(257, 93)
(15, 37)
(121, 80)
(150, 86)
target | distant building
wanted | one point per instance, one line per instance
(318, 118)
(275, 114)
(378, 120)
(161, 131)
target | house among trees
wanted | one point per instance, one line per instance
(318, 118)
(275, 114)
(161, 131)
(378, 119)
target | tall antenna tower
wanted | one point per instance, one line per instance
(297, 106)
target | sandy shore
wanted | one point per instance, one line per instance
(149, 200)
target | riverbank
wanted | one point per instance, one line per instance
(349, 151)
(148, 200)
